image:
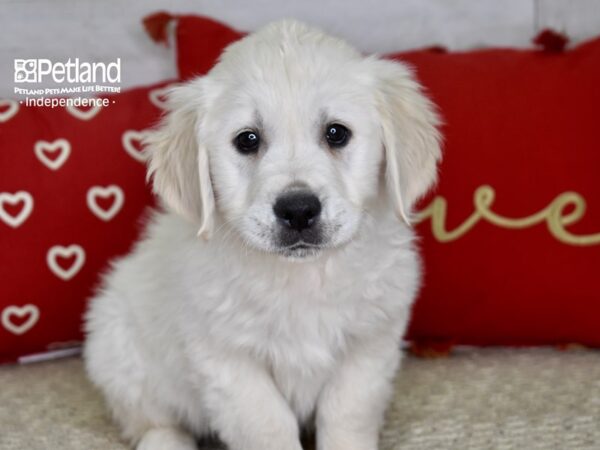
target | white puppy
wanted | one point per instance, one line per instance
(275, 293)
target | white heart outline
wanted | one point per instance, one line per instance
(18, 196)
(128, 137)
(84, 115)
(99, 191)
(65, 252)
(13, 109)
(56, 164)
(156, 94)
(20, 311)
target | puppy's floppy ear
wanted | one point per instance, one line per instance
(179, 164)
(410, 135)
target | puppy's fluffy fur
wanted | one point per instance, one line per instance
(212, 324)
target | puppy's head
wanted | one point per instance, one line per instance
(286, 140)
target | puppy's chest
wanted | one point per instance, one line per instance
(302, 323)
(303, 342)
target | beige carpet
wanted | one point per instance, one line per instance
(485, 399)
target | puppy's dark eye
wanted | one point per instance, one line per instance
(247, 142)
(337, 135)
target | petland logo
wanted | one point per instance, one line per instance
(72, 83)
(71, 71)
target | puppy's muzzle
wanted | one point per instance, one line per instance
(298, 215)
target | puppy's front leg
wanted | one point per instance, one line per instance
(246, 407)
(351, 408)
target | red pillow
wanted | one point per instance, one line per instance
(72, 192)
(521, 140)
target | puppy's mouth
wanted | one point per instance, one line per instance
(300, 250)
(300, 244)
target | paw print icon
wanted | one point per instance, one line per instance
(25, 70)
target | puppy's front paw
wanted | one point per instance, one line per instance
(166, 439)
(346, 440)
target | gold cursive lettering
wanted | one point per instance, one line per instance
(555, 216)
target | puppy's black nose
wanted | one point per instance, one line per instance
(297, 210)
